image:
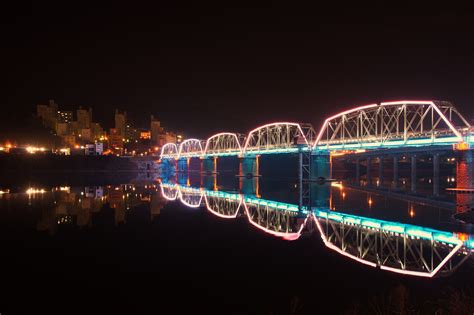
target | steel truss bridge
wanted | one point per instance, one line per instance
(385, 125)
(391, 246)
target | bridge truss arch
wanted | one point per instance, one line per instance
(391, 247)
(191, 197)
(169, 150)
(223, 205)
(392, 124)
(279, 137)
(190, 148)
(224, 143)
(274, 220)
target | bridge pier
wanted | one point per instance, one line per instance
(249, 166)
(436, 174)
(183, 165)
(464, 180)
(209, 165)
(249, 186)
(168, 166)
(358, 171)
(368, 171)
(320, 166)
(380, 181)
(209, 182)
(413, 173)
(395, 172)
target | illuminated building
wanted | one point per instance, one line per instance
(145, 134)
(115, 141)
(155, 129)
(47, 114)
(97, 131)
(63, 128)
(120, 121)
(167, 137)
(64, 116)
(84, 118)
(69, 140)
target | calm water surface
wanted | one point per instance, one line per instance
(229, 245)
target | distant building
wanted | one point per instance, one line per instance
(94, 148)
(86, 134)
(155, 129)
(64, 116)
(131, 134)
(48, 114)
(74, 128)
(120, 121)
(84, 118)
(115, 141)
(63, 128)
(69, 141)
(145, 134)
(167, 137)
(97, 131)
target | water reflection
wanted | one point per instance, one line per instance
(381, 229)
(389, 245)
(77, 205)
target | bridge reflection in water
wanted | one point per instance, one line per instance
(391, 246)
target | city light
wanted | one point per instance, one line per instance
(33, 150)
(32, 191)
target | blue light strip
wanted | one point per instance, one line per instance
(394, 227)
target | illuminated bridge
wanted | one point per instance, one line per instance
(386, 125)
(391, 246)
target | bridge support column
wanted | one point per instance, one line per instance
(320, 195)
(249, 186)
(182, 179)
(380, 182)
(413, 173)
(435, 174)
(320, 166)
(209, 165)
(249, 166)
(357, 171)
(369, 175)
(183, 165)
(209, 182)
(395, 172)
(168, 166)
(464, 180)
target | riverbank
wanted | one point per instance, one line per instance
(13, 163)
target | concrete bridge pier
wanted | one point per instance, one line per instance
(380, 181)
(168, 166)
(413, 173)
(464, 180)
(395, 172)
(209, 165)
(249, 166)
(182, 179)
(249, 186)
(183, 165)
(436, 174)
(369, 171)
(320, 195)
(209, 182)
(320, 166)
(357, 171)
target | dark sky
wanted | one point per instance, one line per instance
(206, 69)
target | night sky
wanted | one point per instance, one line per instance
(207, 69)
